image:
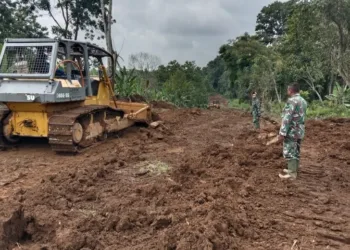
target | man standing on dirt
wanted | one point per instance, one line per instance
(256, 110)
(292, 130)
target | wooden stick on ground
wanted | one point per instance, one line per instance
(273, 141)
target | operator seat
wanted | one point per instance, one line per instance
(94, 86)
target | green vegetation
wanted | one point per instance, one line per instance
(327, 110)
(288, 46)
(237, 104)
(18, 19)
(72, 17)
(316, 110)
(303, 41)
(127, 82)
(180, 84)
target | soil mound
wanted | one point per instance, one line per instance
(204, 179)
(162, 105)
(218, 99)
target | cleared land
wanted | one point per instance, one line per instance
(204, 180)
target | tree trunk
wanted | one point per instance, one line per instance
(103, 12)
(109, 31)
(67, 20)
(107, 25)
(276, 90)
(318, 95)
(343, 74)
(76, 32)
(316, 92)
(330, 84)
(312, 86)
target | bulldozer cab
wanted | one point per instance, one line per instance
(47, 90)
(50, 70)
(76, 62)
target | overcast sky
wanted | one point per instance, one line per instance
(180, 29)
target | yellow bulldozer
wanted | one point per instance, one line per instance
(47, 91)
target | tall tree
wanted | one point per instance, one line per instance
(213, 73)
(19, 19)
(144, 61)
(106, 26)
(145, 65)
(91, 17)
(336, 15)
(239, 56)
(76, 16)
(306, 48)
(165, 72)
(271, 22)
(185, 86)
(264, 76)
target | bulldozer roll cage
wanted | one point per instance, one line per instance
(38, 59)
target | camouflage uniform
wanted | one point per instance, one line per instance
(256, 112)
(293, 130)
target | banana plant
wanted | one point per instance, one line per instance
(126, 82)
(340, 95)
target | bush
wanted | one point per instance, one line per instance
(181, 91)
(236, 103)
(315, 110)
(306, 95)
(127, 83)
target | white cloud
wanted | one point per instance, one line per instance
(181, 29)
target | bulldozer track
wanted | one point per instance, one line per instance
(4, 111)
(61, 128)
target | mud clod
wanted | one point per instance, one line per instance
(206, 181)
(13, 229)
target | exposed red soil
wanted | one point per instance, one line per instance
(221, 190)
(218, 99)
(162, 105)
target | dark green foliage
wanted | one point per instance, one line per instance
(77, 15)
(186, 86)
(126, 82)
(218, 76)
(180, 84)
(272, 21)
(239, 57)
(295, 40)
(304, 41)
(164, 72)
(18, 19)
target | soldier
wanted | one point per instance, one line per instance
(292, 130)
(256, 110)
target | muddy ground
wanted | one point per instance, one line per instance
(204, 180)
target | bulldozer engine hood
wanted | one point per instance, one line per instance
(40, 91)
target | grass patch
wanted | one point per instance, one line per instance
(235, 103)
(315, 110)
(328, 112)
(153, 167)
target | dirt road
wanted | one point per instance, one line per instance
(204, 181)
